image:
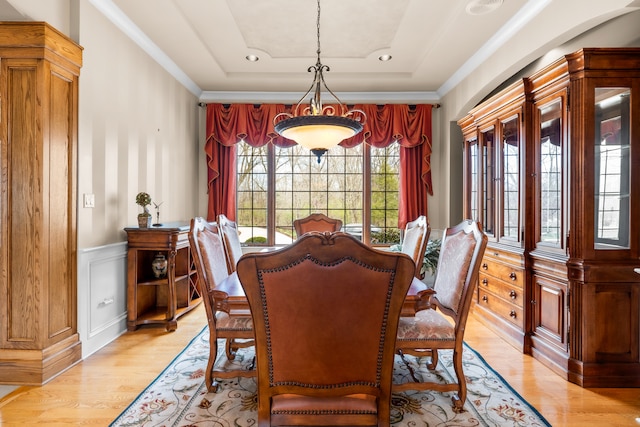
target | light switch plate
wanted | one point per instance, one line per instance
(89, 200)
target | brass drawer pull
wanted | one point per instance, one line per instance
(513, 276)
(512, 314)
(485, 266)
(484, 298)
(485, 282)
(513, 294)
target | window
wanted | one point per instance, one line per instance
(277, 185)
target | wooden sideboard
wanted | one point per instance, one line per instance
(160, 301)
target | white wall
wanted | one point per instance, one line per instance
(138, 131)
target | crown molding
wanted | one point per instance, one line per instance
(246, 97)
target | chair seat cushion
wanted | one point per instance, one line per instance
(291, 404)
(428, 325)
(224, 322)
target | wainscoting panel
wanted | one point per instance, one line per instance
(102, 295)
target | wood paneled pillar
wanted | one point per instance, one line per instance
(39, 69)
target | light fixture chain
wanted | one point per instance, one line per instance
(318, 31)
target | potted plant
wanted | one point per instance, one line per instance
(430, 263)
(144, 218)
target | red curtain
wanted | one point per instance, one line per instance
(410, 126)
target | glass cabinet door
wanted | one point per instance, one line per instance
(488, 180)
(510, 209)
(549, 165)
(612, 168)
(473, 160)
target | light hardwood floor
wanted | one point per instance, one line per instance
(95, 391)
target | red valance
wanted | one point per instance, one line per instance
(409, 126)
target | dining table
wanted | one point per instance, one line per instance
(230, 293)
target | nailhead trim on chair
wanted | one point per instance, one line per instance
(325, 412)
(326, 386)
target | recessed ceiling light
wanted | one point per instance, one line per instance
(252, 58)
(384, 58)
(481, 7)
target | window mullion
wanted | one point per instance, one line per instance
(366, 196)
(271, 195)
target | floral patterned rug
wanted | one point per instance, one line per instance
(178, 397)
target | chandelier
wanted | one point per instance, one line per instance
(317, 127)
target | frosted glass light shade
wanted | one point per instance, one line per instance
(318, 136)
(318, 132)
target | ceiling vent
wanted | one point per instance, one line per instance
(481, 7)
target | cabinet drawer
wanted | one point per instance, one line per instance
(507, 291)
(502, 271)
(502, 308)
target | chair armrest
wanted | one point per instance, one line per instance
(221, 299)
(423, 301)
(229, 294)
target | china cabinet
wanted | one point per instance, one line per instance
(39, 69)
(552, 167)
(162, 283)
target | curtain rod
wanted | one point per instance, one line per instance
(202, 104)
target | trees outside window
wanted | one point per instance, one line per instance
(356, 185)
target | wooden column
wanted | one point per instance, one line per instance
(39, 69)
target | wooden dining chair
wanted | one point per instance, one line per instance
(231, 239)
(414, 241)
(325, 313)
(440, 323)
(234, 327)
(316, 222)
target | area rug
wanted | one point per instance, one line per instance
(178, 396)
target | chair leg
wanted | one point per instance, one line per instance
(210, 382)
(434, 360)
(231, 348)
(459, 398)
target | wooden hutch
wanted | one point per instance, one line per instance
(552, 171)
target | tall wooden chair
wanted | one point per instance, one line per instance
(231, 239)
(429, 330)
(325, 313)
(236, 328)
(414, 241)
(316, 222)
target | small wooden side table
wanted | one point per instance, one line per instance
(160, 300)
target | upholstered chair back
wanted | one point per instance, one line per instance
(231, 239)
(316, 222)
(461, 249)
(210, 253)
(414, 241)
